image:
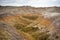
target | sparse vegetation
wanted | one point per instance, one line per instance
(31, 17)
(40, 36)
(26, 22)
(33, 31)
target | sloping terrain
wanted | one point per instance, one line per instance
(32, 23)
(9, 33)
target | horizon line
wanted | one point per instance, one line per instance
(28, 6)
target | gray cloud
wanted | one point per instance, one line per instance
(36, 3)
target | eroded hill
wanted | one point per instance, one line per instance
(32, 23)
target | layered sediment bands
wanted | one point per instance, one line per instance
(30, 23)
(18, 18)
(9, 33)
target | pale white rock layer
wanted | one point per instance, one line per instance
(48, 15)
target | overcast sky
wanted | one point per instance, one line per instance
(35, 3)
